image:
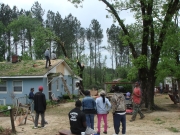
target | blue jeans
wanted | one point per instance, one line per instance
(31, 102)
(90, 120)
(117, 118)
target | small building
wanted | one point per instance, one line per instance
(16, 79)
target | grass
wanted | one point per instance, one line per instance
(173, 129)
(158, 121)
(24, 67)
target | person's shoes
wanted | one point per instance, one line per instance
(45, 122)
(50, 65)
(105, 132)
(43, 126)
(132, 120)
(142, 117)
(45, 67)
(115, 134)
(35, 127)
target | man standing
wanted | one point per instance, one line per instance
(118, 110)
(136, 97)
(77, 119)
(89, 108)
(31, 99)
(39, 107)
(47, 55)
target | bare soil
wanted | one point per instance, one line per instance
(164, 121)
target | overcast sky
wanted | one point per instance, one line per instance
(92, 9)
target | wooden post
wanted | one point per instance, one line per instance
(12, 121)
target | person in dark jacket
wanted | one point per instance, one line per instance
(77, 119)
(31, 99)
(39, 107)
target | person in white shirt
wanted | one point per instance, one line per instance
(53, 56)
(103, 106)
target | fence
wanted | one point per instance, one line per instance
(11, 118)
(21, 100)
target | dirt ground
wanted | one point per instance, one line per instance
(158, 122)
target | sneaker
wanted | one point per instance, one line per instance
(142, 117)
(132, 120)
(115, 134)
(45, 122)
(35, 127)
(105, 132)
(50, 65)
(43, 126)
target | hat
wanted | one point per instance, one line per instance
(102, 93)
(78, 103)
(40, 88)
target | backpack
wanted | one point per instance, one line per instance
(120, 102)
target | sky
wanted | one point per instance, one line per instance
(92, 9)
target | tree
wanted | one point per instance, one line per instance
(37, 11)
(97, 39)
(152, 19)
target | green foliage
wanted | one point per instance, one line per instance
(158, 121)
(132, 74)
(25, 56)
(140, 62)
(1, 129)
(173, 129)
(2, 108)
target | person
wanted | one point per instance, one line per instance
(128, 95)
(31, 99)
(77, 119)
(136, 97)
(161, 87)
(103, 106)
(89, 107)
(118, 110)
(47, 55)
(53, 55)
(39, 107)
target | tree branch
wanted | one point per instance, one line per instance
(113, 11)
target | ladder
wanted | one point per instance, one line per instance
(66, 88)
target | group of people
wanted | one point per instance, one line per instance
(47, 56)
(37, 102)
(81, 119)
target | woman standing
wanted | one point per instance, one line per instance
(103, 106)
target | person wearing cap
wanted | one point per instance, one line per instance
(53, 55)
(47, 56)
(119, 110)
(89, 108)
(39, 107)
(77, 119)
(136, 98)
(103, 106)
(31, 99)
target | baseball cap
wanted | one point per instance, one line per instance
(40, 88)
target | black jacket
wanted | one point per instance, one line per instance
(39, 102)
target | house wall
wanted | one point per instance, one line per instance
(27, 84)
(58, 89)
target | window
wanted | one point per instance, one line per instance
(17, 85)
(3, 87)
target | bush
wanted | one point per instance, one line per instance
(2, 108)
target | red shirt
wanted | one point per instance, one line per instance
(137, 95)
